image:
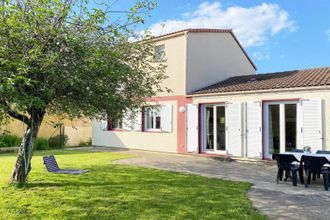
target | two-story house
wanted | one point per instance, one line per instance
(220, 106)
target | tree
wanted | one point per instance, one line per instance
(64, 57)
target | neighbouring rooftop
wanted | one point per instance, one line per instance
(268, 81)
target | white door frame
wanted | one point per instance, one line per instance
(203, 148)
(282, 125)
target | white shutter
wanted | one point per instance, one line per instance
(233, 125)
(137, 120)
(127, 120)
(253, 129)
(166, 118)
(312, 124)
(192, 127)
(103, 125)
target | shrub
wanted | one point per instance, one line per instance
(85, 144)
(41, 144)
(54, 142)
(8, 140)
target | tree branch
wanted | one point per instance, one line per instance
(18, 116)
(14, 114)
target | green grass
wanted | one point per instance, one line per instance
(112, 191)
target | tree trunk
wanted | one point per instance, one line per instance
(23, 161)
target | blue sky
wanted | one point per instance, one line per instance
(277, 35)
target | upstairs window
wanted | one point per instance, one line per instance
(152, 118)
(160, 53)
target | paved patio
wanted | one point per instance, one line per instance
(278, 201)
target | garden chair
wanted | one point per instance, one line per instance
(52, 166)
(320, 152)
(285, 163)
(316, 165)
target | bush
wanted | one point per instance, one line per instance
(85, 144)
(41, 144)
(54, 142)
(8, 140)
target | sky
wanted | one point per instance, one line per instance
(277, 35)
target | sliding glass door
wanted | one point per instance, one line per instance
(280, 127)
(214, 136)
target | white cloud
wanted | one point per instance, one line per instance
(261, 55)
(253, 25)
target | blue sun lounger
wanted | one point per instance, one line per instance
(52, 166)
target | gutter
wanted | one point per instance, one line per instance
(262, 91)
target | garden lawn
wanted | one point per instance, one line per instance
(110, 191)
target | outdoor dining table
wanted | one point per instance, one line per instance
(298, 156)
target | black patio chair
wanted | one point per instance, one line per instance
(316, 166)
(320, 152)
(323, 152)
(52, 166)
(285, 163)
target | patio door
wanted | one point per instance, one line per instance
(214, 132)
(280, 127)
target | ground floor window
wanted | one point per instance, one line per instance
(214, 136)
(152, 117)
(280, 122)
(117, 123)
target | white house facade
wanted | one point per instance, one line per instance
(220, 106)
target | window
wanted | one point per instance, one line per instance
(116, 123)
(152, 118)
(160, 53)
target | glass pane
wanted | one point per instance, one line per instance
(149, 119)
(274, 128)
(157, 122)
(209, 127)
(290, 127)
(160, 52)
(157, 117)
(221, 128)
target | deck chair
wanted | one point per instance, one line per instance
(52, 166)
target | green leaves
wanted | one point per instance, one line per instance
(74, 60)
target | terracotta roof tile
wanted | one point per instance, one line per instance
(278, 80)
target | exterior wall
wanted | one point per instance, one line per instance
(174, 141)
(213, 57)
(78, 131)
(153, 141)
(78, 135)
(175, 61)
(324, 95)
